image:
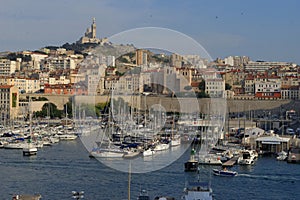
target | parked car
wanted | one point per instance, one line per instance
(290, 131)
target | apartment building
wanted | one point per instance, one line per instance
(268, 89)
(9, 103)
(24, 85)
(215, 87)
(58, 62)
(7, 67)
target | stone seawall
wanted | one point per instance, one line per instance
(176, 104)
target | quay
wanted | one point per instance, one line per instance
(230, 162)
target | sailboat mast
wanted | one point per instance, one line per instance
(129, 179)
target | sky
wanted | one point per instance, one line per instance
(261, 29)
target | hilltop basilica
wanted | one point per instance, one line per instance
(90, 36)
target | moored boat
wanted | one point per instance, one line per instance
(29, 150)
(148, 152)
(224, 172)
(191, 165)
(282, 156)
(143, 195)
(246, 157)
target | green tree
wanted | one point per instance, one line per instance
(49, 109)
(227, 86)
(201, 85)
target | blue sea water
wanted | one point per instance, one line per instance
(58, 170)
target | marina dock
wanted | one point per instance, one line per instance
(230, 162)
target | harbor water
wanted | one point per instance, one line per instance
(58, 170)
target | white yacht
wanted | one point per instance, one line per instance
(162, 146)
(107, 153)
(29, 150)
(246, 157)
(175, 141)
(148, 152)
(282, 156)
(15, 145)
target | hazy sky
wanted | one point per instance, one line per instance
(262, 29)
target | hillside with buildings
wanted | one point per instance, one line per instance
(92, 66)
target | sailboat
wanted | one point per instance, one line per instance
(30, 149)
(175, 138)
(107, 149)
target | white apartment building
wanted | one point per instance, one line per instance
(36, 58)
(290, 88)
(264, 66)
(268, 89)
(24, 85)
(215, 88)
(290, 92)
(58, 81)
(7, 67)
(59, 62)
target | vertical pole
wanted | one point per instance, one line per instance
(129, 179)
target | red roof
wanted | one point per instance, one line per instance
(5, 86)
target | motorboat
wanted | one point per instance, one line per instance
(143, 195)
(30, 150)
(192, 164)
(224, 172)
(246, 157)
(198, 190)
(162, 146)
(282, 156)
(148, 152)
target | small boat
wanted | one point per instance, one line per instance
(29, 150)
(282, 156)
(143, 195)
(191, 165)
(149, 152)
(246, 157)
(162, 146)
(224, 172)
